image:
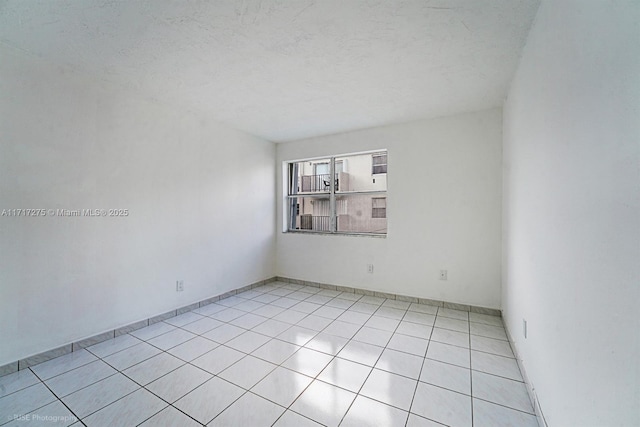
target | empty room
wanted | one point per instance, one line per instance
(320, 213)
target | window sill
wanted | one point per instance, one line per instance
(322, 233)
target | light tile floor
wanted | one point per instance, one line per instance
(284, 355)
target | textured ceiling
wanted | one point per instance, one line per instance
(287, 69)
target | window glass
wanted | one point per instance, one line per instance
(353, 200)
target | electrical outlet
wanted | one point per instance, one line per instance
(179, 285)
(524, 328)
(370, 268)
(443, 274)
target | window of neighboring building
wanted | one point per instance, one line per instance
(379, 163)
(379, 207)
(337, 194)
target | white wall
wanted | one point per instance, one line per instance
(200, 197)
(444, 198)
(572, 212)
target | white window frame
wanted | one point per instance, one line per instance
(332, 194)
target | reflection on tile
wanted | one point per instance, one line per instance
(170, 417)
(90, 399)
(63, 364)
(346, 374)
(130, 410)
(487, 414)
(247, 372)
(367, 412)
(25, 401)
(276, 351)
(80, 377)
(249, 410)
(218, 359)
(390, 388)
(449, 354)
(341, 329)
(114, 345)
(308, 362)
(17, 381)
(331, 357)
(324, 403)
(502, 391)
(291, 419)
(400, 363)
(297, 335)
(207, 401)
(496, 365)
(444, 406)
(447, 376)
(178, 383)
(326, 343)
(360, 352)
(282, 386)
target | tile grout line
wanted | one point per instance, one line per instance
(422, 366)
(374, 365)
(343, 308)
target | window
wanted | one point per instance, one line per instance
(337, 194)
(379, 207)
(379, 163)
